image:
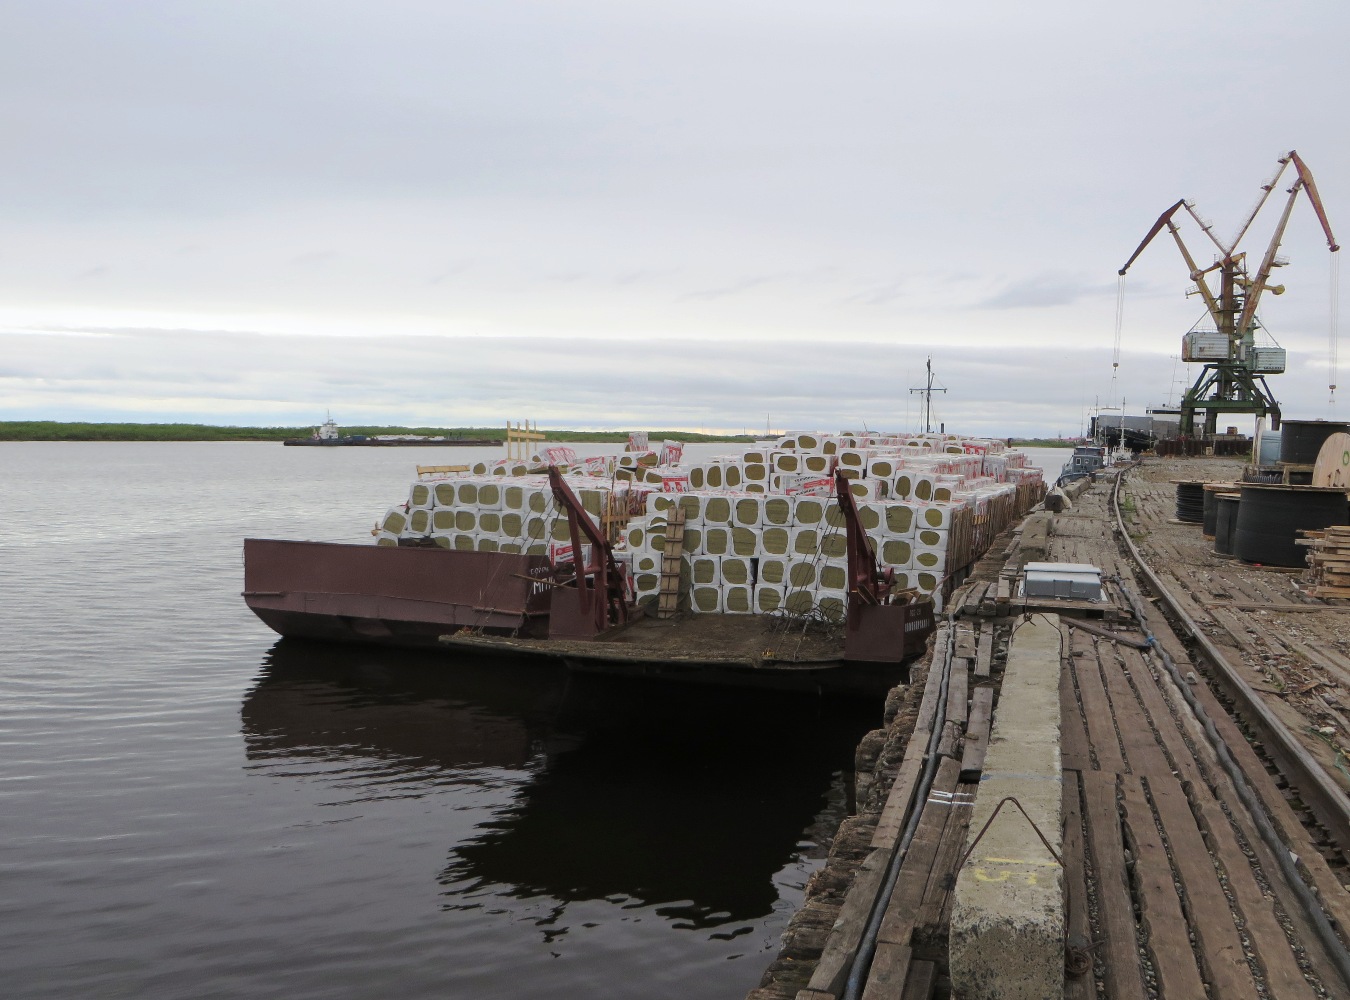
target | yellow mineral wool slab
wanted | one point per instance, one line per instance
(810, 510)
(513, 497)
(832, 604)
(935, 516)
(778, 511)
(716, 541)
(732, 477)
(394, 521)
(744, 541)
(833, 576)
(756, 472)
(487, 543)
(705, 599)
(706, 570)
(714, 477)
(899, 519)
(799, 602)
(929, 559)
(775, 541)
(834, 545)
(787, 462)
(737, 599)
(692, 505)
(801, 574)
(768, 598)
(420, 495)
(735, 569)
(871, 515)
(805, 541)
(930, 538)
(693, 539)
(896, 552)
(717, 510)
(386, 540)
(698, 477)
(443, 519)
(748, 512)
(490, 496)
(443, 541)
(773, 571)
(490, 521)
(420, 521)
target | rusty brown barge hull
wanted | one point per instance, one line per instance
(494, 603)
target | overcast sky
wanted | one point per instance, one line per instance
(605, 214)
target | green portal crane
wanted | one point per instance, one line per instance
(1232, 379)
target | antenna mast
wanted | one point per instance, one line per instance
(927, 393)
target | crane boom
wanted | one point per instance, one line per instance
(1305, 175)
(1163, 220)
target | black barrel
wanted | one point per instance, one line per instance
(1210, 515)
(1191, 502)
(1225, 519)
(1270, 517)
(1301, 440)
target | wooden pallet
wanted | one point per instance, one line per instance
(1328, 572)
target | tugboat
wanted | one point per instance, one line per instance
(1085, 460)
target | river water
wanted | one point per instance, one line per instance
(192, 808)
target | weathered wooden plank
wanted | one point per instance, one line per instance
(1284, 978)
(1101, 727)
(971, 605)
(921, 982)
(958, 688)
(1073, 741)
(895, 813)
(933, 919)
(1221, 951)
(1105, 633)
(1117, 953)
(964, 636)
(1078, 925)
(889, 970)
(897, 926)
(831, 971)
(1167, 934)
(984, 653)
(977, 733)
(1136, 732)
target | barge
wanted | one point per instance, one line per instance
(822, 579)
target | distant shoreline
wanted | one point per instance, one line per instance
(55, 430)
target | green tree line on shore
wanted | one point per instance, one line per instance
(54, 430)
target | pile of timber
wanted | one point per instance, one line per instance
(1328, 572)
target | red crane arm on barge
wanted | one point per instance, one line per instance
(599, 581)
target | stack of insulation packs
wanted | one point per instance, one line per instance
(762, 531)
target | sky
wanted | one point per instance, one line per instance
(719, 216)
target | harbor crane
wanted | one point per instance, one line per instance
(1233, 377)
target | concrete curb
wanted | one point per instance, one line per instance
(1007, 925)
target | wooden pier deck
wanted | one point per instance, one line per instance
(1169, 889)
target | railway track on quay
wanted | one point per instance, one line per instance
(1197, 846)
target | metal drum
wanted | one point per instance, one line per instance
(1301, 440)
(1267, 447)
(1225, 520)
(1191, 502)
(1270, 517)
(1210, 513)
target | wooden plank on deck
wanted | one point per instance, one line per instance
(1101, 727)
(1118, 953)
(984, 653)
(977, 734)
(1078, 925)
(1167, 933)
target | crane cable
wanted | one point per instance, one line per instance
(1333, 331)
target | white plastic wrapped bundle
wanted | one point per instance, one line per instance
(872, 515)
(705, 599)
(534, 547)
(487, 543)
(421, 496)
(512, 524)
(834, 544)
(774, 541)
(735, 570)
(787, 461)
(744, 541)
(755, 456)
(717, 510)
(692, 505)
(646, 562)
(490, 522)
(489, 496)
(799, 602)
(805, 542)
(513, 496)
(698, 476)
(773, 571)
(819, 464)
(832, 604)
(383, 537)
(810, 511)
(833, 575)
(748, 512)
(924, 487)
(738, 599)
(768, 598)
(931, 538)
(929, 559)
(714, 476)
(900, 519)
(897, 553)
(865, 489)
(755, 472)
(854, 458)
(927, 583)
(777, 511)
(716, 540)
(808, 442)
(934, 516)
(511, 545)
(801, 574)
(419, 522)
(706, 570)
(884, 467)
(693, 539)
(395, 520)
(443, 520)
(732, 476)
(535, 527)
